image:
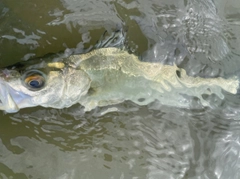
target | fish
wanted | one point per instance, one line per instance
(105, 75)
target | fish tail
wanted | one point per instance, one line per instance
(116, 39)
(234, 83)
(238, 88)
(233, 97)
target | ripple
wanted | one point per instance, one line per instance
(125, 140)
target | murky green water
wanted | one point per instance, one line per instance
(153, 141)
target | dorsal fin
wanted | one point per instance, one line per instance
(116, 39)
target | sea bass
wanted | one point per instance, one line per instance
(104, 76)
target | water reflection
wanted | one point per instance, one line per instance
(167, 142)
(152, 141)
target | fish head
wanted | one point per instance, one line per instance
(43, 84)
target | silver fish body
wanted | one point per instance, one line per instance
(102, 77)
(117, 75)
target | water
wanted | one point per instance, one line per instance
(153, 141)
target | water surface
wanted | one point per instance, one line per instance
(153, 141)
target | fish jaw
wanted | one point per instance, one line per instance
(7, 103)
(12, 101)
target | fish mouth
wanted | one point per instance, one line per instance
(6, 101)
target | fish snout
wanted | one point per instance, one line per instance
(6, 101)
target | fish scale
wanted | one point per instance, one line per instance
(113, 71)
(114, 58)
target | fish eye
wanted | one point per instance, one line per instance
(34, 80)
